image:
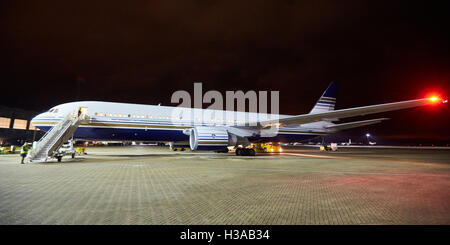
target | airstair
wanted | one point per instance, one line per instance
(47, 147)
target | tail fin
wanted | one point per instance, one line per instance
(327, 100)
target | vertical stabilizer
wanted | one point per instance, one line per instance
(327, 101)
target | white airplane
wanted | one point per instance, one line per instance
(108, 121)
(347, 143)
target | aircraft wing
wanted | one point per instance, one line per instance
(350, 112)
(343, 126)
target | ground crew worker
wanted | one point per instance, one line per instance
(24, 151)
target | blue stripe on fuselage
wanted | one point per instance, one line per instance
(125, 134)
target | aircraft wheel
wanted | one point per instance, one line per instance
(239, 152)
(73, 155)
(245, 152)
(251, 152)
(59, 158)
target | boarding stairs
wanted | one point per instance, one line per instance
(49, 144)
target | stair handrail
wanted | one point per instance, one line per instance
(61, 130)
(61, 138)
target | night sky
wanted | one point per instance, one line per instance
(143, 51)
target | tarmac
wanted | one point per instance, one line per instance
(152, 185)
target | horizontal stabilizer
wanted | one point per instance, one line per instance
(343, 126)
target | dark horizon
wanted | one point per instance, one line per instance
(142, 52)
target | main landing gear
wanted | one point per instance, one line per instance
(245, 152)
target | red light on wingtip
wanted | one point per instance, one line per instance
(434, 99)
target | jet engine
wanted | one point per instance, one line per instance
(208, 139)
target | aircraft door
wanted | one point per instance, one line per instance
(82, 112)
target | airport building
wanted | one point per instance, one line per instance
(15, 126)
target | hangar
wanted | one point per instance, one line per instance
(15, 127)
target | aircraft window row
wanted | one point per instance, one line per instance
(101, 114)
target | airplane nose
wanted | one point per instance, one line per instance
(35, 119)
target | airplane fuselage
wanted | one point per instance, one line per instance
(110, 121)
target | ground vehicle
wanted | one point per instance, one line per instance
(330, 147)
(80, 150)
(65, 149)
(10, 149)
(174, 148)
(267, 147)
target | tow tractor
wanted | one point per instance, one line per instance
(177, 147)
(174, 148)
(267, 147)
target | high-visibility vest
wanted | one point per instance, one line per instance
(24, 149)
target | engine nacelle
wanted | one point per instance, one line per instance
(208, 138)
